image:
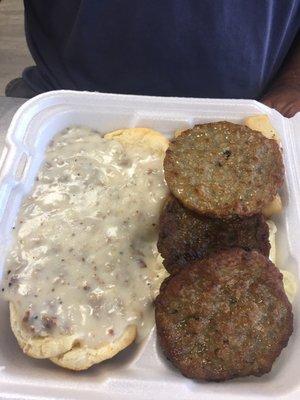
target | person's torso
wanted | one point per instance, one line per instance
(220, 48)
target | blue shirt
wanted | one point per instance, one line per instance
(192, 48)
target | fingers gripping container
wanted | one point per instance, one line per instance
(141, 371)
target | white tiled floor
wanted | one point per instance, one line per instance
(14, 54)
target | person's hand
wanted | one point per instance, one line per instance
(284, 98)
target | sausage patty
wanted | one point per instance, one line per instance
(221, 169)
(225, 316)
(185, 235)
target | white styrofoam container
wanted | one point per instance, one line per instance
(140, 372)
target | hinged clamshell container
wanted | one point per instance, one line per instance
(140, 372)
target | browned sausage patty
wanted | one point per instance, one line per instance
(185, 235)
(225, 316)
(221, 169)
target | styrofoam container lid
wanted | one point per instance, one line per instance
(141, 371)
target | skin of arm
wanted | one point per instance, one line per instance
(283, 94)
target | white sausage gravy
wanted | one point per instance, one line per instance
(84, 259)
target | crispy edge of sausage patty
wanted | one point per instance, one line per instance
(220, 169)
(185, 236)
(225, 316)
